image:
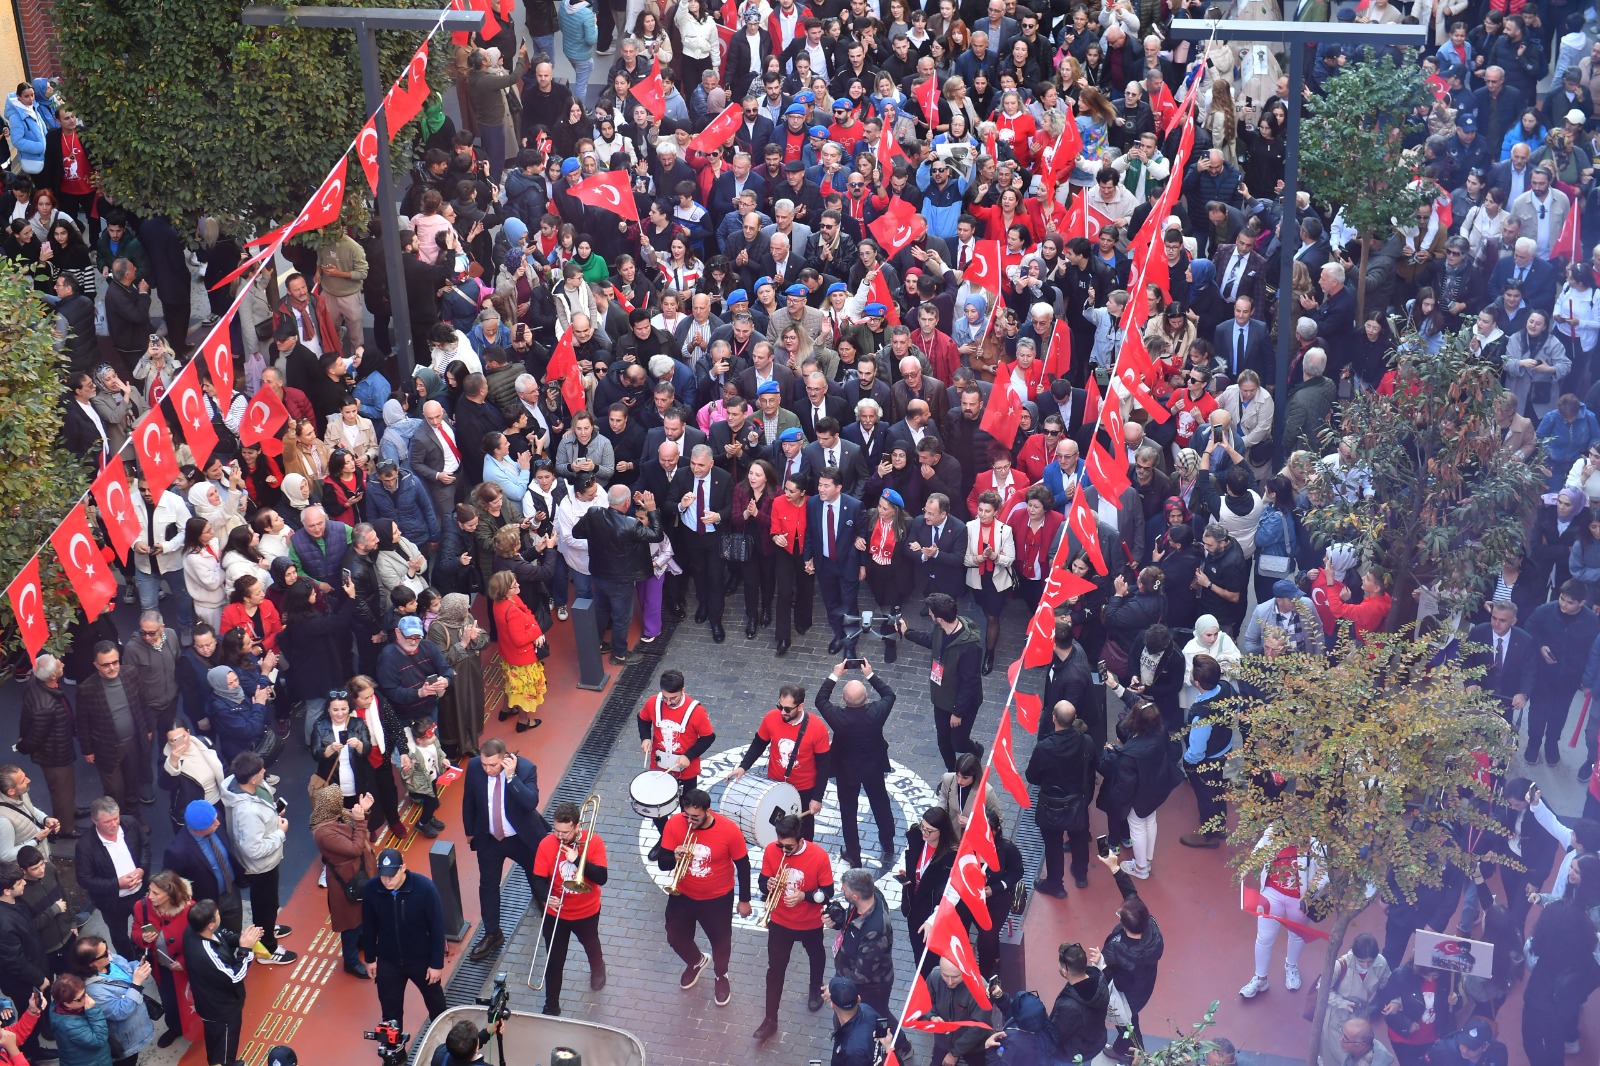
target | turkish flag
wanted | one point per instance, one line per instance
(1251, 901)
(217, 351)
(275, 238)
(651, 93)
(878, 292)
(1039, 643)
(888, 147)
(189, 401)
(987, 269)
(967, 878)
(1028, 704)
(1186, 141)
(720, 130)
(1083, 220)
(367, 152)
(1150, 263)
(1068, 147)
(927, 96)
(1005, 762)
(563, 365)
(896, 227)
(1110, 478)
(919, 1006)
(27, 603)
(608, 190)
(979, 833)
(110, 490)
(1112, 429)
(1058, 360)
(1061, 584)
(262, 421)
(947, 938)
(402, 104)
(1002, 415)
(1569, 245)
(491, 26)
(321, 210)
(158, 462)
(86, 568)
(1085, 525)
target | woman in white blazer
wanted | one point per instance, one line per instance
(991, 552)
(203, 575)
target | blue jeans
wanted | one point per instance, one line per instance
(315, 709)
(544, 45)
(580, 80)
(149, 586)
(613, 602)
(583, 584)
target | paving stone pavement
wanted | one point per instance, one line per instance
(738, 682)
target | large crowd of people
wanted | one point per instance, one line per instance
(776, 409)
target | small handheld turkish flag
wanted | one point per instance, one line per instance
(1002, 415)
(896, 227)
(719, 131)
(927, 95)
(1058, 361)
(608, 190)
(189, 401)
(116, 507)
(651, 93)
(262, 420)
(878, 292)
(158, 463)
(563, 366)
(86, 568)
(986, 271)
(27, 604)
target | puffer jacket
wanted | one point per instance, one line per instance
(1130, 962)
(27, 133)
(83, 1039)
(526, 197)
(1079, 1016)
(253, 825)
(238, 726)
(1127, 617)
(579, 31)
(409, 506)
(45, 732)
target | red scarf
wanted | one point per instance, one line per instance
(986, 540)
(883, 542)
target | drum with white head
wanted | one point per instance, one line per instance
(654, 794)
(752, 802)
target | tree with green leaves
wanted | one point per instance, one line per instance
(189, 112)
(39, 480)
(1384, 760)
(1352, 150)
(1447, 497)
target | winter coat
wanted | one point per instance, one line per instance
(579, 31)
(45, 731)
(253, 827)
(409, 506)
(28, 132)
(23, 966)
(313, 644)
(1130, 962)
(184, 785)
(97, 732)
(1310, 411)
(1079, 1017)
(122, 1002)
(344, 846)
(238, 726)
(83, 1039)
(1158, 776)
(1127, 617)
(1569, 638)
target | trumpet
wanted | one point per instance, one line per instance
(684, 862)
(587, 815)
(776, 887)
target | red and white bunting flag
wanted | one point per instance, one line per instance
(262, 420)
(1085, 525)
(1110, 479)
(919, 1007)
(111, 496)
(217, 351)
(947, 938)
(321, 210)
(87, 569)
(968, 879)
(158, 461)
(409, 93)
(189, 401)
(1039, 643)
(1005, 762)
(26, 595)
(1028, 704)
(608, 190)
(367, 151)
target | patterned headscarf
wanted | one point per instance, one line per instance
(327, 805)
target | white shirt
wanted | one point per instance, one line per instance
(497, 808)
(447, 443)
(94, 416)
(691, 517)
(121, 859)
(754, 40)
(1230, 285)
(302, 319)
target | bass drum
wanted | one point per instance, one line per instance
(654, 794)
(753, 801)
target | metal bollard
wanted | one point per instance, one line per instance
(586, 637)
(442, 869)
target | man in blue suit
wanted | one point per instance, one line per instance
(1537, 278)
(833, 520)
(1508, 658)
(500, 814)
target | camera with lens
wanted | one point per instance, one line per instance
(838, 913)
(498, 1001)
(391, 1041)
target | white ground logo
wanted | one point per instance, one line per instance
(909, 796)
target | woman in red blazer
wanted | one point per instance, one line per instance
(248, 608)
(794, 585)
(520, 640)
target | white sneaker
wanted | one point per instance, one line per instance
(322, 878)
(1254, 988)
(1133, 869)
(1291, 978)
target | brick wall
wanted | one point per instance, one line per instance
(39, 37)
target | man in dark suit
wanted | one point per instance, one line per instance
(761, 370)
(1509, 658)
(1536, 276)
(1513, 176)
(870, 436)
(666, 475)
(736, 441)
(96, 858)
(861, 759)
(702, 510)
(1335, 316)
(500, 815)
(833, 520)
(740, 174)
(1241, 271)
(676, 428)
(1314, 249)
(938, 544)
(208, 860)
(82, 431)
(817, 404)
(915, 385)
(436, 458)
(831, 450)
(117, 755)
(1242, 343)
(475, 418)
(915, 427)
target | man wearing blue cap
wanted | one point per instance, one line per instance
(795, 310)
(791, 136)
(413, 673)
(854, 1021)
(207, 861)
(402, 937)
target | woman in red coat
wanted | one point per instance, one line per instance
(166, 907)
(1371, 615)
(520, 641)
(249, 609)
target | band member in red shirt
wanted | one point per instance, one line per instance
(569, 913)
(797, 919)
(719, 863)
(674, 731)
(800, 753)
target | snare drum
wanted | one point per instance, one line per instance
(752, 801)
(654, 794)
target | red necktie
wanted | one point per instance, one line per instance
(963, 258)
(827, 527)
(449, 442)
(700, 506)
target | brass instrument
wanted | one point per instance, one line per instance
(588, 814)
(776, 887)
(685, 860)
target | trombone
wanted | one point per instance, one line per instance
(587, 816)
(684, 862)
(776, 887)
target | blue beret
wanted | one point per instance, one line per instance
(794, 109)
(738, 296)
(761, 282)
(807, 97)
(797, 290)
(1285, 589)
(838, 286)
(788, 436)
(568, 166)
(199, 815)
(818, 131)
(877, 310)
(894, 498)
(772, 387)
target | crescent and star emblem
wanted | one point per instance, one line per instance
(146, 450)
(112, 490)
(266, 413)
(369, 155)
(22, 602)
(187, 396)
(72, 554)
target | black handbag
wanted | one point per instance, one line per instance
(269, 746)
(355, 889)
(1061, 812)
(736, 547)
(154, 1009)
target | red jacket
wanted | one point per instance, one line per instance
(518, 631)
(234, 615)
(985, 483)
(1369, 616)
(327, 333)
(22, 1028)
